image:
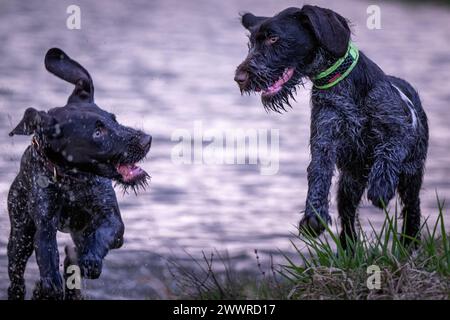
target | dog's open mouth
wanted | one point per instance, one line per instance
(131, 174)
(278, 85)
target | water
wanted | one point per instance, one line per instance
(160, 66)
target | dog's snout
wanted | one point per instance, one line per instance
(241, 77)
(145, 141)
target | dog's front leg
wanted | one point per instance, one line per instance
(320, 170)
(103, 233)
(394, 136)
(50, 285)
(385, 172)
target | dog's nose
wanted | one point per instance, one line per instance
(241, 77)
(145, 141)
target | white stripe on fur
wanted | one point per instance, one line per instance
(409, 104)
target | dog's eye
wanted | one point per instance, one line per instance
(272, 39)
(99, 132)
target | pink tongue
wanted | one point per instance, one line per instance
(129, 171)
(287, 75)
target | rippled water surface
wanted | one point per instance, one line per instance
(160, 66)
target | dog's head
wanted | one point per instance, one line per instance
(83, 136)
(283, 50)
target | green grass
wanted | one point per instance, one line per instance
(327, 271)
(321, 269)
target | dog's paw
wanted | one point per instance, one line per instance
(380, 195)
(311, 225)
(90, 266)
(382, 185)
(48, 289)
(16, 292)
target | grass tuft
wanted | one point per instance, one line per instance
(320, 268)
(214, 277)
(327, 271)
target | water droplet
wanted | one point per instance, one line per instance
(42, 181)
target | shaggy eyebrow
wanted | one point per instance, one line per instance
(266, 31)
(261, 34)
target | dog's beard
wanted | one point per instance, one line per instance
(129, 175)
(276, 87)
(281, 99)
(138, 184)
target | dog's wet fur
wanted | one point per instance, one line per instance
(370, 125)
(65, 184)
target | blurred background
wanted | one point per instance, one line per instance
(160, 66)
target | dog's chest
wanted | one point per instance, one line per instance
(351, 139)
(72, 220)
(75, 214)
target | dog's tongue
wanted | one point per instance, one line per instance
(285, 77)
(129, 172)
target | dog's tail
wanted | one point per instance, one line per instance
(62, 66)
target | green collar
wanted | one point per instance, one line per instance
(339, 70)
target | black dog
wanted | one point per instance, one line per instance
(65, 184)
(368, 124)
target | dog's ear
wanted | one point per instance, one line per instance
(249, 20)
(62, 66)
(330, 29)
(35, 121)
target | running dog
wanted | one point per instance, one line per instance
(65, 184)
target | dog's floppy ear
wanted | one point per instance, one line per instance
(34, 121)
(249, 20)
(62, 66)
(330, 29)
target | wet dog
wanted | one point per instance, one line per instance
(369, 125)
(65, 184)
